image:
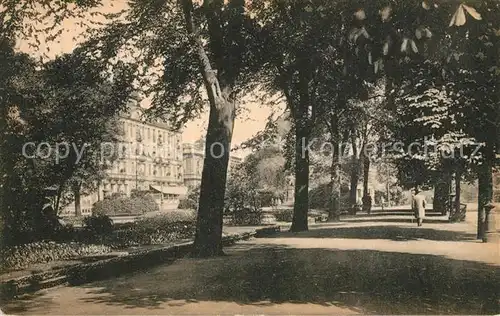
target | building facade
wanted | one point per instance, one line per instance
(193, 157)
(148, 157)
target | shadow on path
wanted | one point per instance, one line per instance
(370, 281)
(395, 220)
(391, 232)
(395, 213)
(264, 275)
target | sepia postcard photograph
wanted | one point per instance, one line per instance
(249, 157)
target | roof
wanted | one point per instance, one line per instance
(170, 190)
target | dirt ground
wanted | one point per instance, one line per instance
(376, 265)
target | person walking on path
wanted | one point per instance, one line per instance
(418, 206)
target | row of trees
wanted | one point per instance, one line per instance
(55, 116)
(322, 58)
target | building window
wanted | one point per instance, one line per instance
(154, 136)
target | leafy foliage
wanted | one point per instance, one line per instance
(190, 202)
(125, 206)
(161, 229)
(321, 197)
(23, 256)
(68, 104)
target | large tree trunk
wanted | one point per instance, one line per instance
(303, 114)
(334, 207)
(366, 173)
(78, 206)
(387, 193)
(458, 177)
(208, 239)
(58, 197)
(485, 195)
(354, 173)
(219, 83)
(442, 195)
(301, 203)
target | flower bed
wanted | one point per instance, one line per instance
(157, 230)
(22, 256)
(112, 267)
(141, 234)
(284, 215)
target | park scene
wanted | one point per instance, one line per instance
(243, 157)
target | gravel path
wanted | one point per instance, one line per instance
(357, 266)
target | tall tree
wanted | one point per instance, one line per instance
(61, 113)
(220, 73)
(300, 66)
(190, 54)
(84, 113)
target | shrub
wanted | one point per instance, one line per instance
(187, 204)
(161, 229)
(66, 233)
(99, 225)
(137, 205)
(22, 256)
(170, 217)
(321, 197)
(247, 216)
(284, 215)
(190, 202)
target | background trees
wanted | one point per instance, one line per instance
(68, 104)
(259, 181)
(186, 54)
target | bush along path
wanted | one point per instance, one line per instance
(84, 272)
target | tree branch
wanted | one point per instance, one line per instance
(208, 73)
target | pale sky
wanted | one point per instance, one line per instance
(246, 125)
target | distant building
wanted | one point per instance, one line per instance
(150, 158)
(193, 157)
(193, 164)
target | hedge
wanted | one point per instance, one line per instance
(138, 205)
(98, 238)
(321, 197)
(284, 215)
(19, 257)
(161, 229)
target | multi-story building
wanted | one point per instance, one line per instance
(193, 163)
(149, 158)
